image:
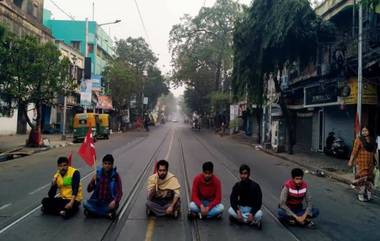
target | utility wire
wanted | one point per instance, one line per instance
(142, 22)
(63, 11)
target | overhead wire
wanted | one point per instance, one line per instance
(142, 23)
(61, 9)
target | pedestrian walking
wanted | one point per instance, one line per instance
(363, 158)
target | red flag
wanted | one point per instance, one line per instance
(87, 149)
(70, 158)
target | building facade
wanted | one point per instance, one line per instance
(322, 96)
(21, 17)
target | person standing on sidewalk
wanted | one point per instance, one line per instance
(107, 190)
(206, 194)
(295, 193)
(246, 200)
(67, 182)
(364, 159)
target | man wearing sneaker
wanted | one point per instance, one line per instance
(295, 201)
(206, 194)
(106, 190)
(246, 200)
(67, 181)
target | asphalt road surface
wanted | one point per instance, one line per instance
(25, 181)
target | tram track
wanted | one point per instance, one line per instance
(227, 169)
(114, 228)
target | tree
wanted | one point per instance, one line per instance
(136, 52)
(34, 74)
(273, 34)
(155, 86)
(201, 49)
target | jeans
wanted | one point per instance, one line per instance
(245, 211)
(282, 215)
(215, 211)
(97, 207)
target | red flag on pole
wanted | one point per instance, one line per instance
(87, 149)
(70, 158)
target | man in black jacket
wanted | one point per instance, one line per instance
(246, 200)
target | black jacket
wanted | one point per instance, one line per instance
(246, 194)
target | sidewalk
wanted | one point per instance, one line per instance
(312, 161)
(12, 146)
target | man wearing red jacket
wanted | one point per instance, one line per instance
(206, 194)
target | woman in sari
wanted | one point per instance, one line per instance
(363, 157)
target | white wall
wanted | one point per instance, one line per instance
(8, 125)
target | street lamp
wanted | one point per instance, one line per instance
(114, 22)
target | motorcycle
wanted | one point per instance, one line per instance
(336, 147)
(196, 125)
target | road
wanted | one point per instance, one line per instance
(24, 182)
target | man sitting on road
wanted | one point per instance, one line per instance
(206, 194)
(246, 200)
(107, 190)
(67, 181)
(163, 192)
(294, 194)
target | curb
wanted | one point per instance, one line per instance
(328, 173)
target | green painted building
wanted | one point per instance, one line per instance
(73, 33)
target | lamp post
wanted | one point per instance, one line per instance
(95, 43)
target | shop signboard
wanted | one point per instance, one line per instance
(369, 93)
(321, 95)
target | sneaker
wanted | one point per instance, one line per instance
(292, 222)
(219, 216)
(259, 225)
(148, 212)
(310, 225)
(362, 198)
(369, 196)
(63, 213)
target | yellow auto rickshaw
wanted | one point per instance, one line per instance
(104, 126)
(82, 122)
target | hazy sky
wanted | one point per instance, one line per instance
(158, 15)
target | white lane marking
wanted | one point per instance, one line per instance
(39, 189)
(5, 206)
(170, 146)
(32, 211)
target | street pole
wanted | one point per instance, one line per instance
(86, 52)
(64, 117)
(360, 65)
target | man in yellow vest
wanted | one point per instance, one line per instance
(67, 181)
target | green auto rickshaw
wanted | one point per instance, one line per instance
(82, 122)
(104, 126)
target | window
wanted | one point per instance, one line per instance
(75, 44)
(18, 3)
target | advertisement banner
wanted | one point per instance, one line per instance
(85, 92)
(369, 93)
(96, 82)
